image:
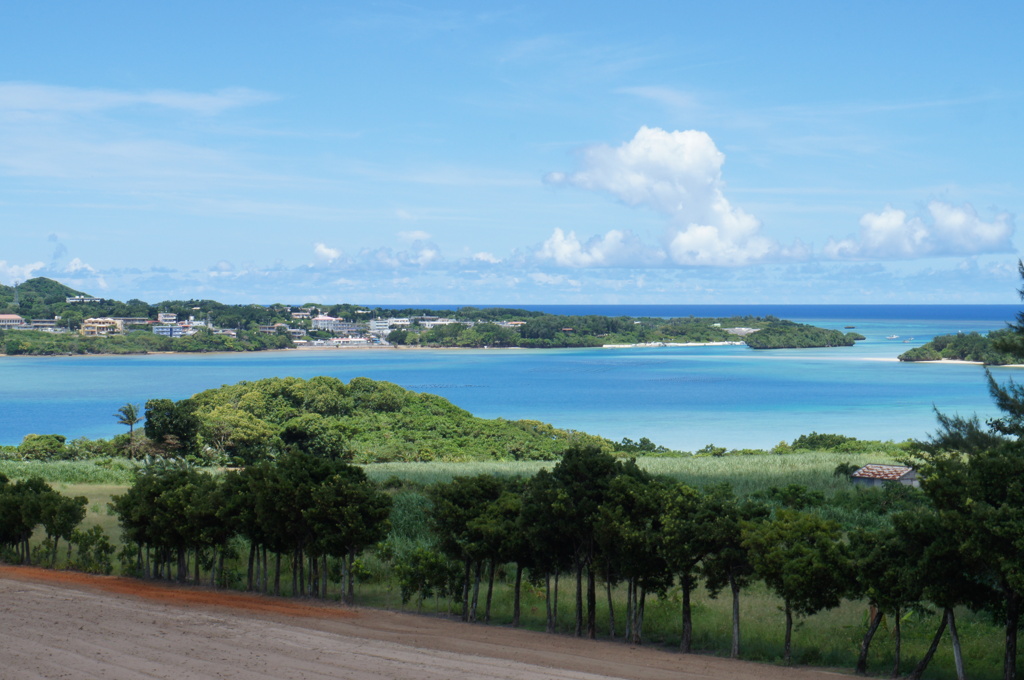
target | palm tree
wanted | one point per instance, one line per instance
(129, 415)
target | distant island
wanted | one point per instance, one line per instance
(45, 317)
(973, 347)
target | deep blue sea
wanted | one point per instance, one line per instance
(680, 397)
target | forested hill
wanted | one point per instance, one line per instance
(38, 293)
(363, 421)
(964, 347)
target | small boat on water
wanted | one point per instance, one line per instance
(891, 337)
(849, 326)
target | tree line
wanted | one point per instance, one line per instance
(599, 520)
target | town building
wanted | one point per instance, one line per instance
(8, 321)
(171, 330)
(102, 326)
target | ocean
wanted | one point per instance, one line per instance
(680, 397)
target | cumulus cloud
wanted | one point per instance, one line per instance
(942, 230)
(678, 174)
(325, 253)
(37, 98)
(18, 272)
(486, 257)
(614, 248)
(76, 265)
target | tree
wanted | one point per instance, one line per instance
(60, 516)
(129, 415)
(802, 559)
(581, 482)
(688, 537)
(728, 564)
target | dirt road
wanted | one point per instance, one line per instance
(66, 625)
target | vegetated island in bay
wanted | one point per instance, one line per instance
(989, 349)
(44, 317)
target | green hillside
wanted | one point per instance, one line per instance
(363, 421)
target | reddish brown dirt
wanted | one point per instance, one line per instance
(69, 625)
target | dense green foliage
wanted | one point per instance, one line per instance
(136, 342)
(787, 334)
(549, 330)
(971, 346)
(362, 421)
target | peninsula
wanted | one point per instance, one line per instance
(45, 317)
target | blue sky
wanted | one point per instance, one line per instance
(537, 152)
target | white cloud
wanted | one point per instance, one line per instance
(615, 248)
(18, 272)
(678, 174)
(35, 98)
(486, 257)
(553, 279)
(76, 265)
(416, 235)
(944, 230)
(325, 253)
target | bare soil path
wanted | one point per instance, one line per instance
(67, 625)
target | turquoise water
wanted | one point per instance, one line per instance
(683, 398)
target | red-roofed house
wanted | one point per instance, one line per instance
(11, 321)
(877, 475)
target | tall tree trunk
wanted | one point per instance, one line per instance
(638, 627)
(476, 590)
(1012, 626)
(734, 586)
(591, 603)
(490, 591)
(323, 576)
(182, 565)
(198, 554)
(53, 556)
(554, 601)
(351, 594)
(578, 631)
(220, 563)
(958, 659)
(547, 604)
(266, 570)
(314, 576)
(686, 644)
(787, 654)
(295, 573)
(277, 574)
(149, 574)
(465, 589)
(252, 565)
(897, 645)
(630, 606)
(611, 609)
(213, 569)
(865, 644)
(516, 596)
(922, 665)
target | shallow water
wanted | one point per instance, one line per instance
(680, 397)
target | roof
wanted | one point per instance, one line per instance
(875, 471)
(9, 317)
